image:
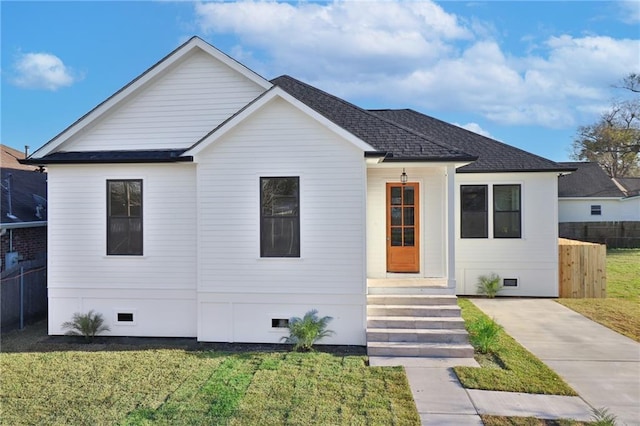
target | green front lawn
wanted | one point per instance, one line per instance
(511, 368)
(620, 311)
(59, 384)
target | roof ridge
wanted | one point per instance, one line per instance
(371, 114)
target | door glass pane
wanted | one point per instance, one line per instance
(408, 195)
(396, 195)
(396, 216)
(408, 216)
(396, 236)
(409, 237)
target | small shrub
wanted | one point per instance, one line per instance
(489, 285)
(602, 417)
(305, 331)
(88, 325)
(483, 334)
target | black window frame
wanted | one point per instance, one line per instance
(497, 214)
(465, 230)
(137, 248)
(267, 251)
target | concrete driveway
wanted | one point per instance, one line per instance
(601, 365)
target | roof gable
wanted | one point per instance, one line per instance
(263, 101)
(589, 180)
(161, 68)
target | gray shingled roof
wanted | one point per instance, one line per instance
(384, 135)
(631, 185)
(589, 180)
(493, 156)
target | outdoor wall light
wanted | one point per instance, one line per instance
(403, 177)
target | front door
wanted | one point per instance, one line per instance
(403, 236)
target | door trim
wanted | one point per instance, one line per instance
(403, 259)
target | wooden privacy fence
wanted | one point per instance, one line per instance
(23, 294)
(582, 269)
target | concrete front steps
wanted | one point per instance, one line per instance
(416, 325)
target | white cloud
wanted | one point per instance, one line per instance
(629, 11)
(416, 54)
(42, 71)
(475, 128)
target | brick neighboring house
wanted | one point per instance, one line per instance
(23, 223)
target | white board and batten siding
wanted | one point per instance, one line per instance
(432, 221)
(158, 288)
(532, 259)
(239, 293)
(172, 111)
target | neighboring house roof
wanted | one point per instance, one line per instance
(19, 185)
(384, 135)
(630, 185)
(493, 156)
(589, 180)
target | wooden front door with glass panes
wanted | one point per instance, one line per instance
(403, 242)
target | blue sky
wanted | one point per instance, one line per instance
(526, 73)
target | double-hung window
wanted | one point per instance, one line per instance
(506, 211)
(474, 214)
(280, 217)
(474, 211)
(124, 217)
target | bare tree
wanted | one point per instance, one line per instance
(614, 140)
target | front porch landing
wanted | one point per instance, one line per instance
(435, 286)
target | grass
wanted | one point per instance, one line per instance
(620, 311)
(62, 383)
(529, 421)
(510, 367)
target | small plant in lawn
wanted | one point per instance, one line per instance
(483, 334)
(489, 285)
(305, 331)
(602, 417)
(88, 325)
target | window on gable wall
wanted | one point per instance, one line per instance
(124, 217)
(474, 215)
(280, 217)
(506, 211)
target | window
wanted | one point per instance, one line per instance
(124, 217)
(506, 211)
(473, 200)
(280, 217)
(596, 210)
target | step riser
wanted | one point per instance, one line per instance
(413, 311)
(421, 352)
(443, 337)
(409, 300)
(410, 290)
(418, 323)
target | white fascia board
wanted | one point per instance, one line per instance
(17, 225)
(413, 164)
(159, 68)
(260, 102)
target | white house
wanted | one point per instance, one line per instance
(589, 195)
(202, 200)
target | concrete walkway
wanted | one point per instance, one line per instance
(441, 399)
(601, 365)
